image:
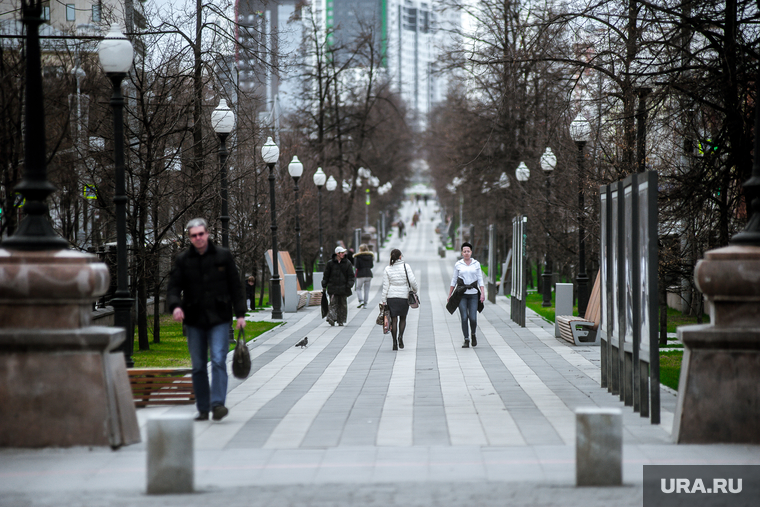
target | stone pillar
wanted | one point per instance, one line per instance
(61, 384)
(719, 388)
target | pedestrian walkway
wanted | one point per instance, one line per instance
(347, 421)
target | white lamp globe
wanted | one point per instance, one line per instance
(522, 172)
(222, 118)
(503, 180)
(580, 129)
(115, 51)
(548, 160)
(332, 184)
(295, 168)
(270, 152)
(320, 177)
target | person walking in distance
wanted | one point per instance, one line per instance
(250, 292)
(338, 279)
(468, 292)
(398, 280)
(364, 261)
(204, 289)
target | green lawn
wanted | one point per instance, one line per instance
(670, 356)
(172, 351)
(670, 368)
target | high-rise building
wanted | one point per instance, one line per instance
(408, 34)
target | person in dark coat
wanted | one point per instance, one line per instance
(364, 261)
(250, 292)
(204, 287)
(338, 279)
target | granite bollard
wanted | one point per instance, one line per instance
(170, 455)
(291, 293)
(598, 447)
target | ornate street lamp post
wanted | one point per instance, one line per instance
(548, 163)
(522, 173)
(271, 153)
(34, 232)
(223, 121)
(331, 186)
(295, 168)
(580, 131)
(319, 181)
(116, 53)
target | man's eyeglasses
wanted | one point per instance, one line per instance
(198, 235)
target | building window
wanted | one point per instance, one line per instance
(96, 12)
(46, 13)
(71, 13)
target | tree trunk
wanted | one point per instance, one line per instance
(663, 302)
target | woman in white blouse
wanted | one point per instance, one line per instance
(398, 280)
(467, 283)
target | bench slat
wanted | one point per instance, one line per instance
(161, 386)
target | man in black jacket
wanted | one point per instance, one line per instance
(204, 286)
(338, 279)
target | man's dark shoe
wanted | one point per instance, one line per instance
(340, 323)
(474, 341)
(202, 416)
(331, 322)
(219, 412)
(466, 344)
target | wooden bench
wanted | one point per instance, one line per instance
(583, 330)
(161, 386)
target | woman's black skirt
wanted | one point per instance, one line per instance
(399, 307)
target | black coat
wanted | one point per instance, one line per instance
(364, 262)
(206, 287)
(456, 296)
(338, 277)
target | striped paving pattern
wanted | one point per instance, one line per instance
(518, 387)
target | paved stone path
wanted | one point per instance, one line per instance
(347, 421)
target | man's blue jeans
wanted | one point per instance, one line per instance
(199, 342)
(468, 310)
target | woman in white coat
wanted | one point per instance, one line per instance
(398, 280)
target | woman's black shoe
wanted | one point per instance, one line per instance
(202, 416)
(401, 343)
(474, 341)
(395, 344)
(466, 344)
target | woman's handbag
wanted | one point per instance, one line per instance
(386, 322)
(414, 301)
(380, 320)
(241, 358)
